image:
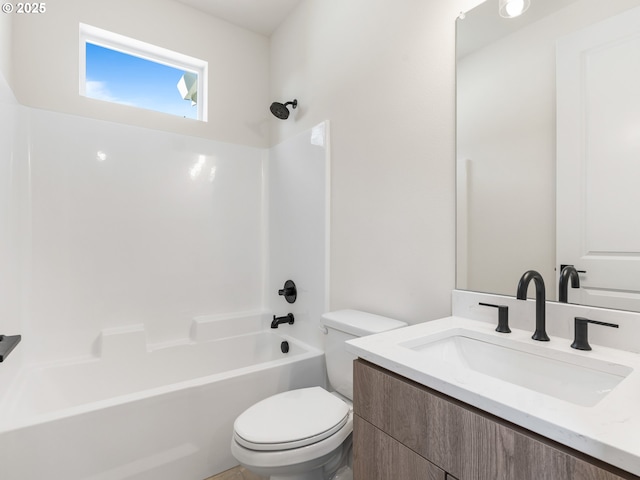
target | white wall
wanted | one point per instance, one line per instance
(151, 235)
(120, 225)
(10, 292)
(13, 275)
(132, 226)
(383, 72)
(45, 64)
(5, 46)
(298, 222)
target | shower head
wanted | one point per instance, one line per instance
(280, 110)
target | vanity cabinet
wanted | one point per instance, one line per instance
(406, 431)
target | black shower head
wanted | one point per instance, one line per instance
(280, 110)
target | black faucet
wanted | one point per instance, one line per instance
(540, 334)
(568, 272)
(280, 320)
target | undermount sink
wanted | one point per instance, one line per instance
(565, 376)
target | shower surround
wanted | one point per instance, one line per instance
(121, 243)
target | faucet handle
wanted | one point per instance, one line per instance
(569, 265)
(580, 340)
(503, 317)
(289, 292)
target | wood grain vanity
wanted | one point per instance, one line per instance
(406, 431)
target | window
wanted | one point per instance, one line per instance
(122, 70)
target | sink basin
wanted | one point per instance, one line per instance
(566, 376)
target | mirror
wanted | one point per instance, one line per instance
(513, 135)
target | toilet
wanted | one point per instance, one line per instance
(305, 434)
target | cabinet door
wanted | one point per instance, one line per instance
(377, 456)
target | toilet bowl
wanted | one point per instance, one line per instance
(306, 434)
(301, 434)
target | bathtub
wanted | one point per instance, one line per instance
(145, 414)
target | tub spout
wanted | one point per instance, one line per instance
(279, 320)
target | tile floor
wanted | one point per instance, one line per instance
(237, 473)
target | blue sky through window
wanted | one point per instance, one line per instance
(122, 78)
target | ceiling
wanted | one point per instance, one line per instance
(260, 16)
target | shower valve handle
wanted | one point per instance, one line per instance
(289, 292)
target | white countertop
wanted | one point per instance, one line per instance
(609, 430)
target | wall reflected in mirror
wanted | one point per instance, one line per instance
(508, 144)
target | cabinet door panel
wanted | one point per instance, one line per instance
(377, 456)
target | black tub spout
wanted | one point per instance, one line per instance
(280, 320)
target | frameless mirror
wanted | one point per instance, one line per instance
(548, 148)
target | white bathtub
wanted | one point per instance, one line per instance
(165, 414)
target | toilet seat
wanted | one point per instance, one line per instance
(292, 419)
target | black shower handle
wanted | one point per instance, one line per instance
(289, 292)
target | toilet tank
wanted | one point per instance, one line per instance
(343, 325)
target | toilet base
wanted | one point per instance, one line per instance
(319, 471)
(321, 468)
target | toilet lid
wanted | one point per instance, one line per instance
(291, 419)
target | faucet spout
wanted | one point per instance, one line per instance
(523, 285)
(568, 272)
(288, 318)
